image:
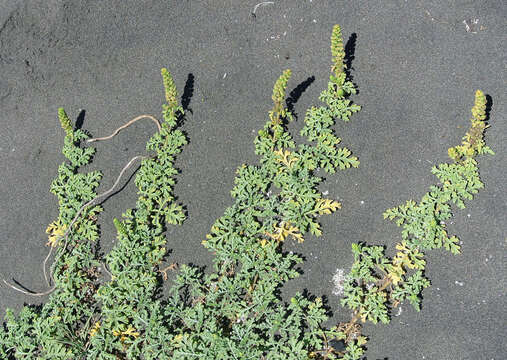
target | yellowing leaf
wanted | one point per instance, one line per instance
(55, 231)
(131, 331)
(95, 329)
(401, 246)
(177, 339)
(286, 157)
(361, 340)
(363, 317)
(286, 229)
(326, 206)
(396, 273)
(412, 259)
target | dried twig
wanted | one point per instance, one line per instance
(264, 3)
(434, 19)
(124, 126)
(104, 266)
(29, 292)
(91, 202)
(172, 267)
(470, 26)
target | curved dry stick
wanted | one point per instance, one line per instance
(31, 293)
(264, 3)
(68, 231)
(44, 266)
(104, 265)
(66, 234)
(126, 125)
(91, 202)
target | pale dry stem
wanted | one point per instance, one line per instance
(126, 125)
(91, 202)
(172, 267)
(30, 293)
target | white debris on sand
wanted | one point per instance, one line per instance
(338, 281)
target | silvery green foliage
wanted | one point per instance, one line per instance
(376, 284)
(234, 311)
(57, 329)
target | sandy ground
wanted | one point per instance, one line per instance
(417, 65)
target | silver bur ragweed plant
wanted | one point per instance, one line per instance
(376, 283)
(234, 311)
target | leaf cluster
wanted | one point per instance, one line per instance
(234, 311)
(376, 283)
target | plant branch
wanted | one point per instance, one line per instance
(29, 292)
(91, 202)
(94, 201)
(126, 125)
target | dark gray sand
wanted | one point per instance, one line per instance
(417, 65)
